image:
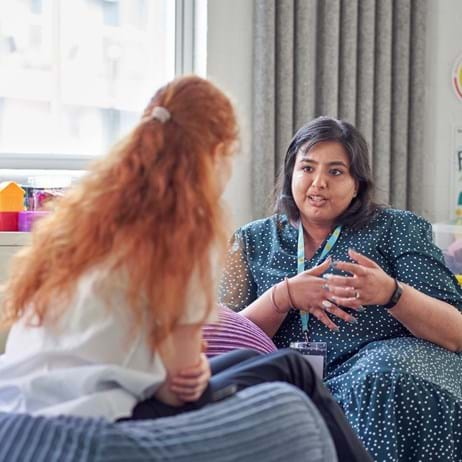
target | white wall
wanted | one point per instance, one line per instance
(443, 110)
(229, 63)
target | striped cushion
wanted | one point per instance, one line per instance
(234, 331)
(268, 422)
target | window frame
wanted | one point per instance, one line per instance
(185, 63)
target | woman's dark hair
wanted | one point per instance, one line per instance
(362, 208)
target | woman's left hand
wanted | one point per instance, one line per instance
(190, 383)
(368, 285)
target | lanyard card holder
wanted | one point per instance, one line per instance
(315, 353)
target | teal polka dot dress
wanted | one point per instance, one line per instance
(402, 395)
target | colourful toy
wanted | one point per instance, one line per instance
(42, 196)
(458, 220)
(11, 197)
(27, 219)
(9, 221)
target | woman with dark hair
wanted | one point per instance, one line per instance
(376, 286)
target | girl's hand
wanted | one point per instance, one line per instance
(310, 293)
(190, 383)
(368, 285)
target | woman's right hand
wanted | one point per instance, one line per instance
(309, 292)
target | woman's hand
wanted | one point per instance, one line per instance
(309, 292)
(368, 285)
(189, 384)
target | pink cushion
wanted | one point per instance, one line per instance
(234, 331)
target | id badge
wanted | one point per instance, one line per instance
(315, 353)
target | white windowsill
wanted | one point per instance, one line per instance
(13, 238)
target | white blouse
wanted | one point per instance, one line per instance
(91, 363)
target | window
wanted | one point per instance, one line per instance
(75, 75)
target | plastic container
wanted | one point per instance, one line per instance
(27, 219)
(9, 221)
(448, 237)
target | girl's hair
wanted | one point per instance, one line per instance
(149, 209)
(362, 207)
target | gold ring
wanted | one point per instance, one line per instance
(356, 294)
(326, 303)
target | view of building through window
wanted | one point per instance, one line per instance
(75, 75)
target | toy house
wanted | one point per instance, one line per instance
(11, 197)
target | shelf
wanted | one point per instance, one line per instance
(13, 238)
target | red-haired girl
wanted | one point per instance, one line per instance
(108, 302)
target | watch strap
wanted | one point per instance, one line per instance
(395, 296)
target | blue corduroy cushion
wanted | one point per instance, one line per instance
(269, 422)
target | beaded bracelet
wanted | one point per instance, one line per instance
(273, 301)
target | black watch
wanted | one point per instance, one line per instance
(395, 296)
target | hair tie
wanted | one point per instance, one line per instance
(161, 114)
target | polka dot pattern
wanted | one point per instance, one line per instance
(402, 395)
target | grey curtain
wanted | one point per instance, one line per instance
(358, 60)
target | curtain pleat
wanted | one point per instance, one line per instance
(304, 51)
(359, 60)
(284, 91)
(400, 102)
(348, 59)
(327, 63)
(264, 103)
(416, 107)
(365, 66)
(382, 101)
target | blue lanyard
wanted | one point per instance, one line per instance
(305, 317)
